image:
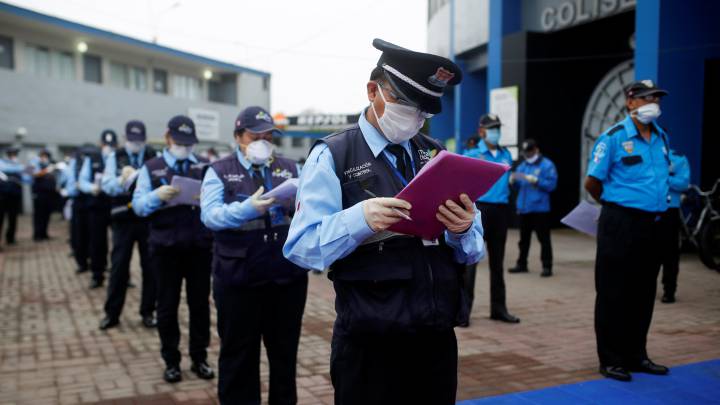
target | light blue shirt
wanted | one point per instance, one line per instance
(679, 180)
(85, 181)
(70, 178)
(634, 172)
(110, 181)
(322, 231)
(8, 167)
(145, 201)
(214, 212)
(499, 193)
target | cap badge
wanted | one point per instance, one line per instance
(648, 83)
(441, 77)
(135, 130)
(185, 128)
(108, 137)
(263, 116)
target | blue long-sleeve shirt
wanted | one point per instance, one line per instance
(9, 167)
(85, 181)
(535, 197)
(214, 212)
(679, 179)
(499, 193)
(145, 201)
(70, 179)
(110, 182)
(322, 231)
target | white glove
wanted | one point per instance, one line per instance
(167, 193)
(125, 174)
(95, 190)
(530, 178)
(261, 205)
(3, 177)
(63, 192)
(379, 212)
(512, 178)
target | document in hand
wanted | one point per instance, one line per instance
(444, 178)
(285, 191)
(189, 191)
(583, 218)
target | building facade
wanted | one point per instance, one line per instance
(63, 83)
(566, 63)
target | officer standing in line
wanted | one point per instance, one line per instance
(179, 247)
(127, 228)
(628, 173)
(495, 215)
(259, 295)
(44, 194)
(71, 192)
(94, 207)
(397, 297)
(11, 192)
(679, 181)
(535, 178)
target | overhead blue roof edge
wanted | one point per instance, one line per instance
(36, 16)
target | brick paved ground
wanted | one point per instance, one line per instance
(52, 352)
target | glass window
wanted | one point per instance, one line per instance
(92, 68)
(119, 75)
(63, 65)
(160, 81)
(37, 60)
(138, 79)
(266, 82)
(128, 77)
(186, 87)
(6, 53)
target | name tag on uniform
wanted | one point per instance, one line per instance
(433, 242)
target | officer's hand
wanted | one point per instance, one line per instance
(3, 177)
(379, 213)
(531, 179)
(167, 193)
(95, 190)
(125, 174)
(457, 219)
(261, 205)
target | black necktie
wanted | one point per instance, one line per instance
(258, 177)
(180, 166)
(401, 161)
(134, 159)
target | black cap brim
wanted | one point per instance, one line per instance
(135, 137)
(183, 139)
(651, 92)
(261, 127)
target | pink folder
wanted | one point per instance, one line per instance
(444, 178)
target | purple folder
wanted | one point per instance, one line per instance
(444, 178)
(583, 218)
(189, 191)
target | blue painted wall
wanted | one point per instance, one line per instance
(674, 38)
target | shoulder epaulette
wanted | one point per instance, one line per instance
(614, 129)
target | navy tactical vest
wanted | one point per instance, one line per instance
(44, 184)
(252, 255)
(97, 166)
(390, 284)
(13, 185)
(177, 226)
(121, 210)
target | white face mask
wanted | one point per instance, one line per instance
(399, 122)
(180, 152)
(134, 146)
(648, 113)
(259, 152)
(532, 159)
(106, 150)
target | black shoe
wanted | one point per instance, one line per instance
(108, 323)
(95, 284)
(518, 269)
(504, 316)
(149, 321)
(11, 242)
(131, 284)
(172, 374)
(616, 373)
(80, 271)
(547, 272)
(648, 367)
(668, 298)
(464, 324)
(202, 370)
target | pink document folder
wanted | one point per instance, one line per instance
(444, 178)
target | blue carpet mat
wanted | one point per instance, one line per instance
(697, 383)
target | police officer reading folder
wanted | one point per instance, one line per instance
(397, 297)
(179, 247)
(628, 172)
(258, 293)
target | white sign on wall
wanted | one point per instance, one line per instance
(504, 104)
(207, 123)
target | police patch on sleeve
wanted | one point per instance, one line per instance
(600, 151)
